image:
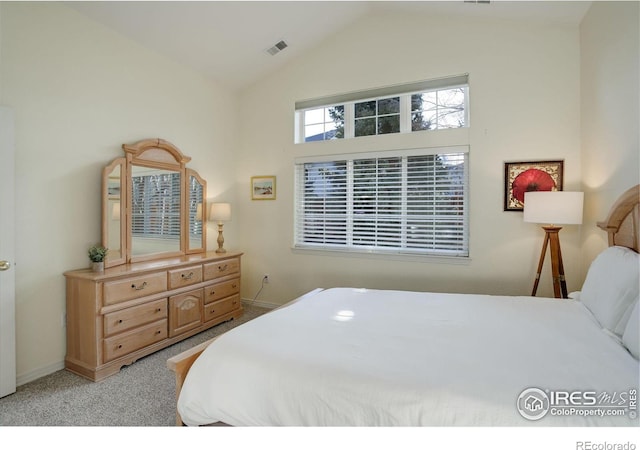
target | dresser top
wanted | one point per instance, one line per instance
(150, 266)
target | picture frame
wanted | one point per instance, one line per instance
(263, 187)
(525, 176)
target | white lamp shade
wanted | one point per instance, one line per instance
(553, 207)
(220, 212)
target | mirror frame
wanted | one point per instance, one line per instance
(158, 154)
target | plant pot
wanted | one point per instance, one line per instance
(97, 266)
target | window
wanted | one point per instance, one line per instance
(427, 105)
(322, 124)
(438, 109)
(411, 201)
(377, 117)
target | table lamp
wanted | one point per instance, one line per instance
(220, 212)
(553, 208)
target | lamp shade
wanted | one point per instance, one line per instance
(553, 207)
(220, 212)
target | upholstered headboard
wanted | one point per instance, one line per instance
(622, 222)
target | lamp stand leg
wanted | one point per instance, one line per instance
(557, 267)
(540, 264)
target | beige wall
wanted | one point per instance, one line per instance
(79, 91)
(524, 95)
(610, 96)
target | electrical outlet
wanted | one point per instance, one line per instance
(265, 278)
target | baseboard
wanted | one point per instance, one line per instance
(39, 373)
(260, 304)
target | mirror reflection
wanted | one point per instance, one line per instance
(113, 209)
(196, 209)
(113, 225)
(155, 211)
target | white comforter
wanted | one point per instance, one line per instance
(349, 357)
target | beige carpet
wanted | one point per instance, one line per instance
(142, 394)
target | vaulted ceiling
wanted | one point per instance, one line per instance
(228, 40)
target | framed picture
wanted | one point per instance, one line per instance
(263, 188)
(521, 177)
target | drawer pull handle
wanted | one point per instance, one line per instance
(187, 277)
(139, 288)
(234, 285)
(212, 293)
(222, 268)
(120, 346)
(159, 310)
(212, 311)
(120, 321)
(158, 332)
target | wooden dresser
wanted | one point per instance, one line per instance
(126, 312)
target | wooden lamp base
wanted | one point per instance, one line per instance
(557, 268)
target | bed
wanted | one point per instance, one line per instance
(360, 357)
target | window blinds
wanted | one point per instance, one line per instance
(401, 201)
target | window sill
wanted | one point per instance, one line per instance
(387, 256)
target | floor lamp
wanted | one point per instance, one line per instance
(553, 208)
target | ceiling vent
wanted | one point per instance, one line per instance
(277, 48)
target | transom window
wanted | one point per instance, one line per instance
(322, 124)
(428, 105)
(377, 117)
(438, 109)
(391, 202)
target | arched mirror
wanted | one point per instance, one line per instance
(153, 205)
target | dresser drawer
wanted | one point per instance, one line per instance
(221, 290)
(130, 288)
(129, 318)
(221, 268)
(185, 277)
(133, 340)
(217, 309)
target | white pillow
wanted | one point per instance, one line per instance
(611, 287)
(631, 336)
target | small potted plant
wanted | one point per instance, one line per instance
(97, 253)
